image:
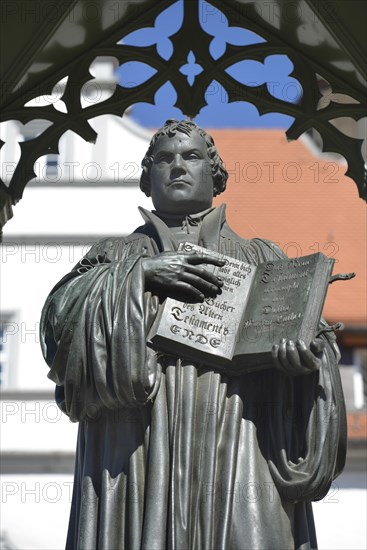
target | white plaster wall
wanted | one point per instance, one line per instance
(28, 274)
(35, 510)
(72, 211)
(36, 426)
(340, 517)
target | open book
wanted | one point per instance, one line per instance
(258, 305)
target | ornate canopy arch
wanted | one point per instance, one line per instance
(48, 41)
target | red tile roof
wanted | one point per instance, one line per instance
(281, 191)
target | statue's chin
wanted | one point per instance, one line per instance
(183, 207)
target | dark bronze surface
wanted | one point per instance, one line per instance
(173, 453)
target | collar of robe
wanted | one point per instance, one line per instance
(180, 220)
(211, 220)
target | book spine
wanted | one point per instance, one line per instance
(317, 295)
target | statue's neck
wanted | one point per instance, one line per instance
(179, 220)
(186, 228)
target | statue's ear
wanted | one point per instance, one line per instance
(144, 178)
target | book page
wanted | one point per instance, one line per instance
(277, 307)
(210, 326)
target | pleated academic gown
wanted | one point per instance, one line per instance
(173, 454)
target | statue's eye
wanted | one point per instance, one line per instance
(163, 159)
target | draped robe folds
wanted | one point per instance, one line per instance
(173, 454)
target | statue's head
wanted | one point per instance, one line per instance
(172, 129)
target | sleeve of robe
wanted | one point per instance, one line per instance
(93, 332)
(303, 431)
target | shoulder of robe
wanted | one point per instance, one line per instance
(102, 252)
(112, 247)
(228, 233)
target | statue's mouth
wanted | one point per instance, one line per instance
(174, 182)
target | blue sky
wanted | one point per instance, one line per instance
(218, 113)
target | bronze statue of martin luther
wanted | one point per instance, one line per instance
(173, 453)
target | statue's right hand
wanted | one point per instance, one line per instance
(180, 274)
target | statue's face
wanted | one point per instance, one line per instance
(180, 176)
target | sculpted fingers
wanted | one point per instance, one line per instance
(173, 273)
(283, 368)
(190, 291)
(204, 259)
(294, 359)
(280, 357)
(308, 358)
(205, 274)
(205, 286)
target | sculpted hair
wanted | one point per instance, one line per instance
(170, 129)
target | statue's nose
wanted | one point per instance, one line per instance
(178, 165)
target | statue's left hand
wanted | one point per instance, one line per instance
(295, 358)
